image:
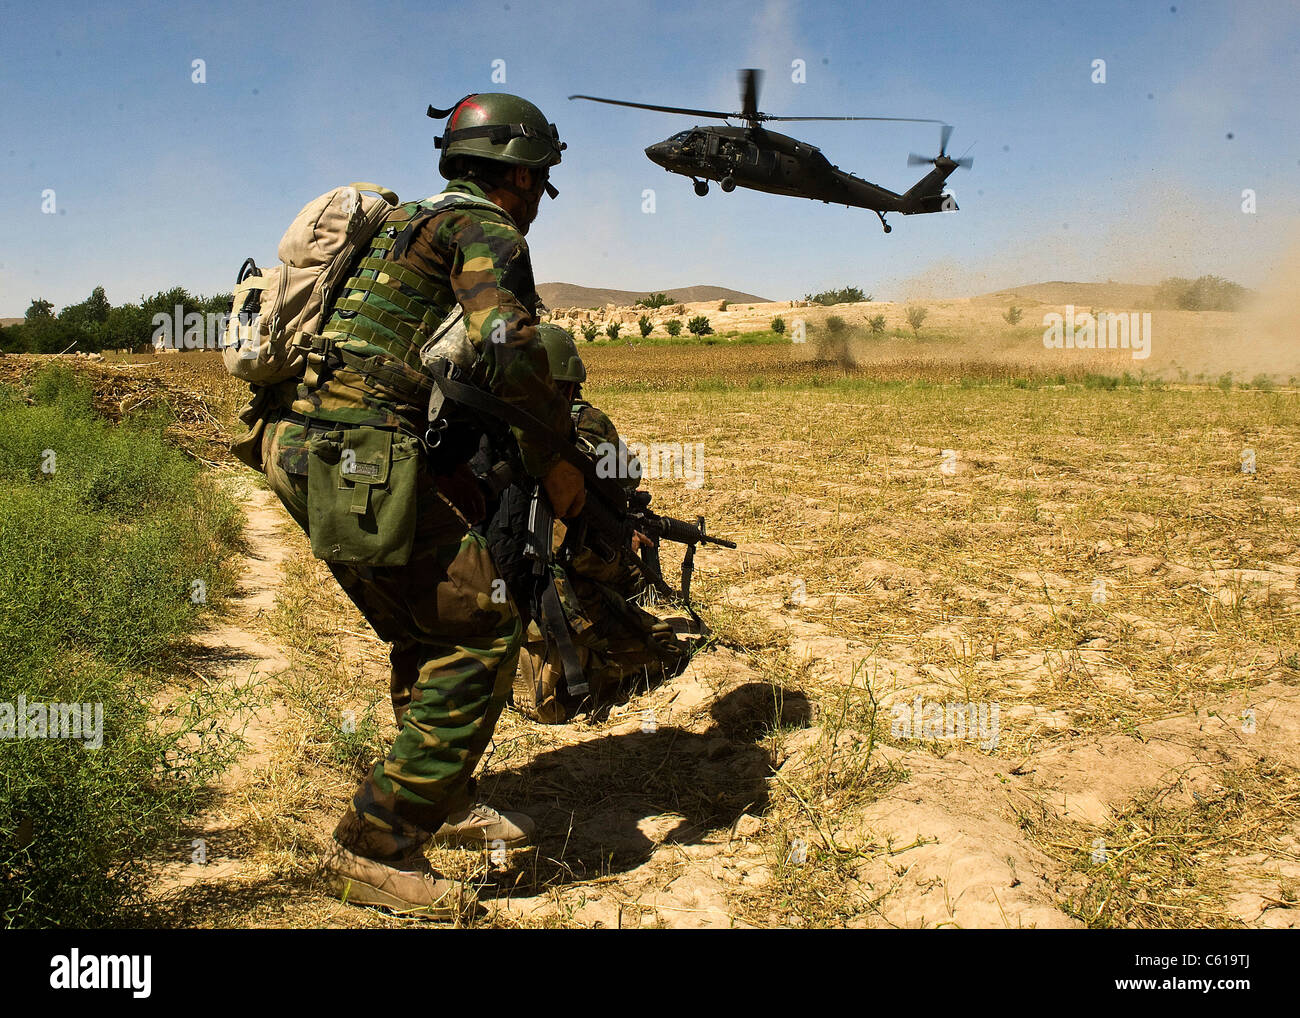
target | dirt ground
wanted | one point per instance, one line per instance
(1090, 576)
(991, 653)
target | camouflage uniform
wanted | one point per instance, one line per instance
(454, 646)
(615, 640)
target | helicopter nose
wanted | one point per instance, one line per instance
(658, 152)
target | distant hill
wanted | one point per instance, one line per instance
(1088, 295)
(571, 295)
(6, 322)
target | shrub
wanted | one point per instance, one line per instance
(1206, 293)
(877, 323)
(834, 324)
(699, 326)
(612, 329)
(655, 300)
(1013, 315)
(844, 295)
(645, 325)
(778, 325)
(589, 331)
(673, 327)
(915, 318)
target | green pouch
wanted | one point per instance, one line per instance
(361, 496)
(247, 448)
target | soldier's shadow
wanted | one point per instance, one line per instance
(604, 805)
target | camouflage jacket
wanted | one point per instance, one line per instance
(602, 442)
(420, 266)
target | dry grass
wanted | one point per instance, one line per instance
(917, 524)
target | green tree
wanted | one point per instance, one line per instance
(128, 327)
(91, 311)
(39, 311)
(699, 326)
(589, 331)
(915, 318)
(778, 325)
(612, 329)
(655, 300)
(13, 339)
(645, 325)
(673, 327)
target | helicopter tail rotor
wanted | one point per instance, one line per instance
(942, 160)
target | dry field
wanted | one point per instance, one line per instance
(1093, 573)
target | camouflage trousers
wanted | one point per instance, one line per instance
(454, 650)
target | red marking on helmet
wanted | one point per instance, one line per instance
(467, 104)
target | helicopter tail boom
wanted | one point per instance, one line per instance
(926, 195)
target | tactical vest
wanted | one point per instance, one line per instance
(366, 367)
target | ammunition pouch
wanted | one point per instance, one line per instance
(267, 402)
(247, 448)
(362, 486)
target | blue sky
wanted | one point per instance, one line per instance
(160, 181)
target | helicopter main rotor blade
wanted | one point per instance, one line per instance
(915, 160)
(902, 120)
(662, 109)
(945, 133)
(750, 79)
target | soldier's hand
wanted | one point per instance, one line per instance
(639, 541)
(566, 489)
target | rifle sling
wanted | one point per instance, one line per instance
(556, 627)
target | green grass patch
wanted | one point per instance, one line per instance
(112, 546)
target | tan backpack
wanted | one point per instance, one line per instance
(276, 312)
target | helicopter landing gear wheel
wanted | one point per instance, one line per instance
(888, 228)
(728, 184)
(701, 187)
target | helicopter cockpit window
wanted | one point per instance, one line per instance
(680, 137)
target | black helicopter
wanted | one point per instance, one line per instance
(763, 160)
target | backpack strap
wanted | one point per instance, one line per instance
(383, 192)
(436, 205)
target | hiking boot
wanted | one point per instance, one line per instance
(409, 887)
(481, 826)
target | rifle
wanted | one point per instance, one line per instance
(609, 532)
(609, 518)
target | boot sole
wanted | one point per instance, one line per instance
(474, 842)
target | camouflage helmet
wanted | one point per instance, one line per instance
(562, 352)
(497, 126)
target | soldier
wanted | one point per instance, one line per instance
(392, 512)
(614, 639)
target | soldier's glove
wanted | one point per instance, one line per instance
(566, 489)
